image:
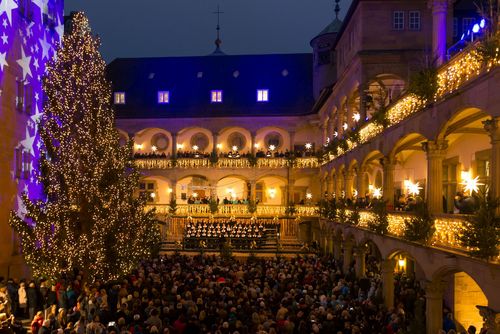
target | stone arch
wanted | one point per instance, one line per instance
(224, 142)
(185, 138)
(234, 187)
(411, 167)
(463, 289)
(191, 184)
(145, 140)
(271, 189)
(412, 265)
(469, 118)
(381, 89)
(265, 132)
(158, 185)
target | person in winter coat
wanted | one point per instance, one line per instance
(32, 299)
(23, 299)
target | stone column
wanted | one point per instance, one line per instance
(338, 185)
(434, 306)
(439, 24)
(387, 271)
(215, 138)
(348, 183)
(491, 126)
(360, 261)
(213, 188)
(436, 152)
(252, 149)
(362, 103)
(348, 247)
(292, 140)
(331, 186)
(337, 247)
(174, 144)
(360, 182)
(290, 189)
(253, 190)
(173, 194)
(388, 165)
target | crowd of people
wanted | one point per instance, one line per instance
(215, 235)
(210, 294)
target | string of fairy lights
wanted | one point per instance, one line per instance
(465, 67)
(90, 218)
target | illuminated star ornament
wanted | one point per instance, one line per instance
(471, 185)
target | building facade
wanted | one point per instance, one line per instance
(30, 32)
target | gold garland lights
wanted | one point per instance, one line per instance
(90, 219)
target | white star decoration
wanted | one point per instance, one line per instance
(6, 6)
(42, 4)
(21, 209)
(27, 143)
(24, 62)
(5, 38)
(3, 62)
(36, 117)
(45, 47)
(59, 29)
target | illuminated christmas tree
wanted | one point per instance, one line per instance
(90, 218)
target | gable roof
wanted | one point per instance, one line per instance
(189, 80)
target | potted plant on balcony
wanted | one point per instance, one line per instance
(251, 206)
(252, 160)
(420, 227)
(172, 206)
(424, 83)
(481, 231)
(380, 222)
(290, 209)
(213, 206)
(213, 158)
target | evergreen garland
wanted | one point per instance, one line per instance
(380, 223)
(420, 227)
(481, 232)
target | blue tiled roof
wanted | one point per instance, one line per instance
(288, 77)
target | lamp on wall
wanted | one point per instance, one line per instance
(309, 196)
(138, 147)
(180, 146)
(272, 192)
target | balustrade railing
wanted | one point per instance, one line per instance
(448, 227)
(203, 210)
(186, 163)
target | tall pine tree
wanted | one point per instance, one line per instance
(90, 218)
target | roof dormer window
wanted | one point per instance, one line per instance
(262, 95)
(216, 96)
(119, 97)
(163, 97)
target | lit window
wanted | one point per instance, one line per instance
(414, 20)
(164, 97)
(262, 95)
(119, 97)
(398, 20)
(216, 96)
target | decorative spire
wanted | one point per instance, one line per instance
(218, 41)
(337, 9)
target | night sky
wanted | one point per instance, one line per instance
(149, 28)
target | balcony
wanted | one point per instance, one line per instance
(195, 163)
(239, 210)
(448, 228)
(451, 76)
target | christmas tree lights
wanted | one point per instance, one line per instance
(90, 218)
